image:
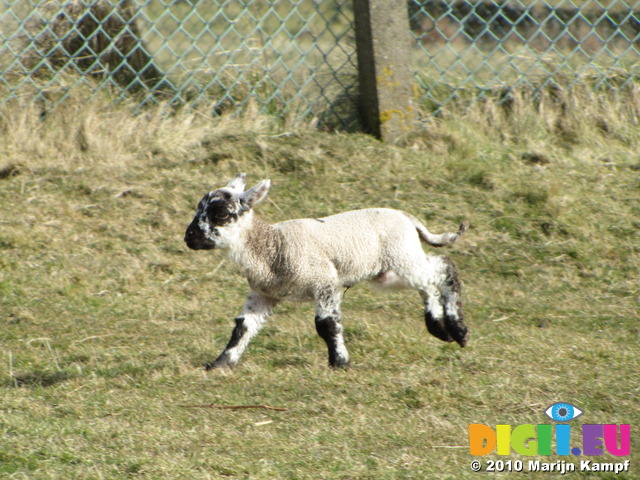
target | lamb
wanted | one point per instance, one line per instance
(314, 259)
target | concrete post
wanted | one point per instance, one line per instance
(385, 69)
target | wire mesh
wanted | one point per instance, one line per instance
(298, 56)
(469, 50)
(281, 56)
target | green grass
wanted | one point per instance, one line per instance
(106, 318)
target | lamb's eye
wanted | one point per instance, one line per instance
(218, 214)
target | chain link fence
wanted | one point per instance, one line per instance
(468, 50)
(285, 57)
(297, 57)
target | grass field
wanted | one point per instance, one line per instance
(106, 317)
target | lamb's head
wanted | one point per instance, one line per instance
(223, 213)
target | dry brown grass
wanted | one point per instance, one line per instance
(97, 39)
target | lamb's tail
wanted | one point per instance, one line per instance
(437, 240)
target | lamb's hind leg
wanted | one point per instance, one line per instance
(329, 327)
(434, 313)
(437, 280)
(453, 317)
(256, 309)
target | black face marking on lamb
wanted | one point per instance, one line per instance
(195, 238)
(221, 207)
(218, 213)
(216, 209)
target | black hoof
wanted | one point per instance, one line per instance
(437, 328)
(457, 330)
(218, 363)
(340, 365)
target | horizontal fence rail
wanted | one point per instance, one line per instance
(298, 57)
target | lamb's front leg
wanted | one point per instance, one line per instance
(256, 309)
(329, 327)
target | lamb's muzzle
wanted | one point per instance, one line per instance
(195, 239)
(315, 259)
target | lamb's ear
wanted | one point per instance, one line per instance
(256, 194)
(238, 182)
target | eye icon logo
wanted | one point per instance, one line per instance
(563, 412)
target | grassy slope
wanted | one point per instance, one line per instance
(106, 318)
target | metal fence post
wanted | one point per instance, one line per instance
(385, 70)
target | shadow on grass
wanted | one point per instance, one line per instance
(37, 379)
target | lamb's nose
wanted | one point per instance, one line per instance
(191, 230)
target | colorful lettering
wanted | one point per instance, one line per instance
(482, 439)
(544, 439)
(531, 440)
(523, 440)
(592, 439)
(611, 439)
(503, 433)
(563, 439)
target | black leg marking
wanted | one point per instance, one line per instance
(453, 277)
(456, 328)
(236, 336)
(436, 327)
(237, 333)
(330, 331)
(453, 317)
